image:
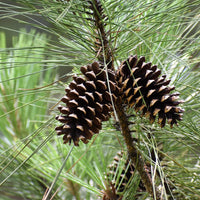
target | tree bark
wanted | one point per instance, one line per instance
(133, 153)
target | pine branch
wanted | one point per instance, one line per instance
(103, 50)
(133, 153)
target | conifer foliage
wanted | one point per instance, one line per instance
(104, 88)
(114, 89)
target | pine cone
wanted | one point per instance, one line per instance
(125, 174)
(142, 88)
(88, 103)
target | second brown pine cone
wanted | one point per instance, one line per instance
(142, 88)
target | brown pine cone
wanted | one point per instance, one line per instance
(142, 88)
(88, 102)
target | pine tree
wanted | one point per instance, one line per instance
(126, 59)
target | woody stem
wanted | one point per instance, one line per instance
(133, 153)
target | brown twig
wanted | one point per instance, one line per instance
(133, 153)
(102, 36)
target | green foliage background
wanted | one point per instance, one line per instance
(33, 77)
